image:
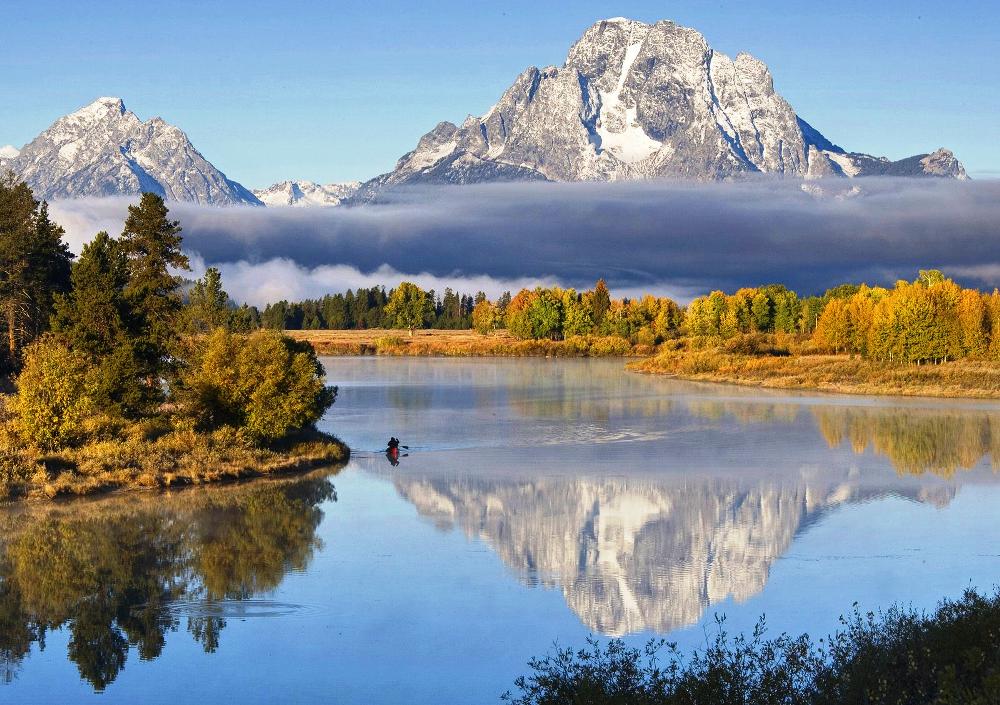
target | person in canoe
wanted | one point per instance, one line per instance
(392, 451)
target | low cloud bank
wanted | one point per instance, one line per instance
(676, 239)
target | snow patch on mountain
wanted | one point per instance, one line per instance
(9, 151)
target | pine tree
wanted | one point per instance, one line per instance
(601, 302)
(34, 265)
(94, 319)
(209, 306)
(151, 244)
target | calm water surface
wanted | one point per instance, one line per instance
(540, 501)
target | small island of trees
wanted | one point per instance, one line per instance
(117, 382)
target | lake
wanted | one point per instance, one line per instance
(539, 501)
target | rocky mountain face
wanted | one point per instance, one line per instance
(636, 101)
(106, 150)
(306, 193)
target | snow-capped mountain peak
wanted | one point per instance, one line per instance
(103, 149)
(306, 193)
(633, 101)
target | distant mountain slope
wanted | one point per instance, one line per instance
(306, 193)
(636, 101)
(105, 150)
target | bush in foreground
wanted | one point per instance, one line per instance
(900, 656)
(55, 395)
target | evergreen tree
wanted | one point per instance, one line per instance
(601, 302)
(209, 306)
(151, 244)
(94, 319)
(34, 266)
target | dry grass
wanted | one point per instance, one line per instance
(460, 343)
(150, 456)
(830, 373)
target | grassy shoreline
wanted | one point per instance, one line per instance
(149, 458)
(840, 374)
(461, 343)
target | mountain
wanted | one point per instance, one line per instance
(8, 152)
(306, 193)
(635, 101)
(106, 150)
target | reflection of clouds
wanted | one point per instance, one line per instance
(632, 555)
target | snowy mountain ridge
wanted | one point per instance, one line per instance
(306, 193)
(103, 149)
(637, 101)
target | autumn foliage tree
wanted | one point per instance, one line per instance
(409, 307)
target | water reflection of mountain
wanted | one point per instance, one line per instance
(630, 554)
(123, 572)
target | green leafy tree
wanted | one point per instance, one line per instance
(409, 307)
(265, 384)
(546, 315)
(760, 309)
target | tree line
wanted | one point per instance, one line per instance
(365, 308)
(931, 319)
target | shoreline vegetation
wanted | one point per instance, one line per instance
(120, 376)
(462, 343)
(894, 656)
(776, 362)
(770, 361)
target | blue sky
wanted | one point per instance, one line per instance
(339, 90)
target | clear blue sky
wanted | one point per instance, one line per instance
(339, 90)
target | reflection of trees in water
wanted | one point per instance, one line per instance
(111, 571)
(744, 412)
(577, 390)
(915, 440)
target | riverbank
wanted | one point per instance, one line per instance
(840, 374)
(151, 455)
(462, 343)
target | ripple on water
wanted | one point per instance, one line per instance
(238, 609)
